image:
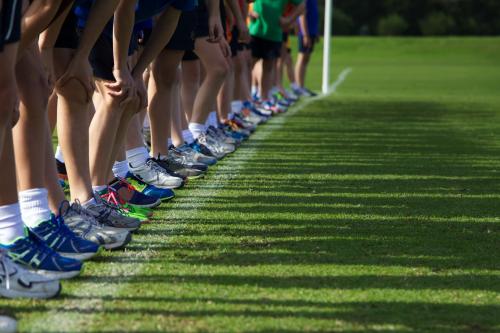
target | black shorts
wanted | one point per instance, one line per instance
(302, 48)
(189, 56)
(265, 49)
(101, 56)
(202, 16)
(68, 37)
(183, 38)
(233, 42)
(10, 22)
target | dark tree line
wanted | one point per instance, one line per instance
(416, 17)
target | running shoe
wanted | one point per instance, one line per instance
(186, 150)
(146, 136)
(17, 282)
(162, 194)
(153, 174)
(61, 239)
(309, 93)
(226, 147)
(265, 108)
(253, 108)
(111, 216)
(186, 159)
(114, 199)
(202, 149)
(221, 136)
(32, 253)
(176, 163)
(135, 198)
(213, 145)
(294, 97)
(8, 324)
(83, 223)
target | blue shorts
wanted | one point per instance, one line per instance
(307, 50)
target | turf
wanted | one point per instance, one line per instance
(374, 209)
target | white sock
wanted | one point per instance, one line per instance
(89, 202)
(11, 223)
(254, 90)
(169, 142)
(59, 154)
(120, 169)
(236, 106)
(137, 156)
(295, 86)
(212, 119)
(187, 136)
(197, 129)
(34, 205)
(146, 122)
(99, 188)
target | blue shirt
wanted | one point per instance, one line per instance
(312, 18)
(145, 9)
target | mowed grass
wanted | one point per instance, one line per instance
(375, 209)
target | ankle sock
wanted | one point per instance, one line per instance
(137, 156)
(59, 154)
(187, 136)
(99, 188)
(11, 223)
(89, 202)
(212, 119)
(34, 205)
(120, 169)
(197, 129)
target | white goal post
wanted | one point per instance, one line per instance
(327, 46)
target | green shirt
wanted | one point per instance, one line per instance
(267, 26)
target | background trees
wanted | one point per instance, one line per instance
(410, 17)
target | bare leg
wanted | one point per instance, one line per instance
(177, 114)
(107, 132)
(241, 81)
(226, 93)
(216, 70)
(162, 86)
(301, 68)
(267, 75)
(30, 131)
(8, 186)
(72, 130)
(190, 86)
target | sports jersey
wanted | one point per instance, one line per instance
(267, 25)
(312, 18)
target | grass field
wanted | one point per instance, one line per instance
(374, 209)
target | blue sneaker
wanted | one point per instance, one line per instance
(133, 196)
(62, 240)
(32, 252)
(163, 194)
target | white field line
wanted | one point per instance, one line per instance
(75, 321)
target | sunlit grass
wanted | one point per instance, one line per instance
(373, 210)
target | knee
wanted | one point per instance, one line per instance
(219, 70)
(73, 91)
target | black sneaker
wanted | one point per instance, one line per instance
(171, 165)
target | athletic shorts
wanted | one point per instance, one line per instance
(69, 36)
(265, 49)
(189, 56)
(101, 56)
(307, 50)
(233, 42)
(10, 22)
(183, 38)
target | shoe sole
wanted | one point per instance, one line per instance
(79, 256)
(118, 246)
(9, 293)
(152, 205)
(58, 275)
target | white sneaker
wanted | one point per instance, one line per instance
(153, 174)
(8, 325)
(16, 282)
